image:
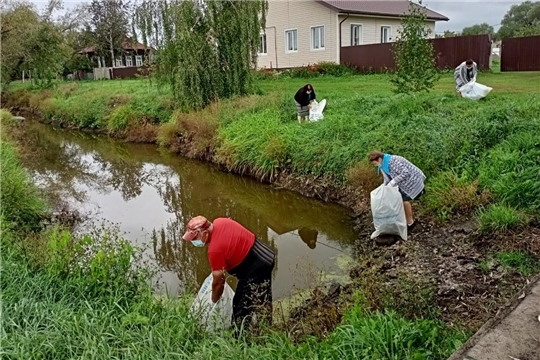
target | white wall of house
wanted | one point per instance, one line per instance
(371, 29)
(303, 16)
(299, 15)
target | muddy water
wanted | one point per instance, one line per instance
(151, 194)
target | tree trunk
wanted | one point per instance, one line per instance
(112, 48)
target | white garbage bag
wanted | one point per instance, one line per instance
(388, 212)
(216, 316)
(474, 91)
(316, 110)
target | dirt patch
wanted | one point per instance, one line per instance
(465, 293)
(140, 133)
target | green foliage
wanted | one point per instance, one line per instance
(511, 170)
(478, 29)
(389, 336)
(120, 118)
(415, 57)
(528, 30)
(522, 262)
(450, 194)
(309, 71)
(208, 52)
(500, 217)
(521, 20)
(48, 54)
(31, 43)
(109, 20)
(84, 325)
(22, 207)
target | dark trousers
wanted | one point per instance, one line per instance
(254, 290)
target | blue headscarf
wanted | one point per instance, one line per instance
(385, 166)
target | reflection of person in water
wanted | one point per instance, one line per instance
(309, 236)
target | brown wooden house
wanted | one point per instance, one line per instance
(131, 61)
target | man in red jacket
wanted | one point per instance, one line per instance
(236, 250)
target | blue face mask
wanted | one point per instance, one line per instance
(197, 243)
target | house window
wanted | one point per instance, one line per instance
(385, 34)
(129, 60)
(138, 60)
(262, 45)
(317, 38)
(291, 40)
(118, 62)
(356, 34)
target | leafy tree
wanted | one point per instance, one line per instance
(31, 42)
(206, 50)
(478, 29)
(530, 30)
(414, 55)
(20, 21)
(449, 33)
(110, 23)
(520, 20)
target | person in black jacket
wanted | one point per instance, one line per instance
(303, 98)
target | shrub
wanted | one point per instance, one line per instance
(500, 217)
(414, 55)
(450, 194)
(333, 69)
(316, 70)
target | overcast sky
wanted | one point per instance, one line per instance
(460, 13)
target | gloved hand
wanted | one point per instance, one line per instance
(392, 183)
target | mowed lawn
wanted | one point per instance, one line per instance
(325, 87)
(502, 83)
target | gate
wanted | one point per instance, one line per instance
(521, 54)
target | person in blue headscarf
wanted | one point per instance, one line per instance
(400, 172)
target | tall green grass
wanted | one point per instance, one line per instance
(21, 206)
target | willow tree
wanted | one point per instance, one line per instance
(205, 49)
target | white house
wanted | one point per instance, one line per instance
(301, 32)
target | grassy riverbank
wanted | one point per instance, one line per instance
(474, 153)
(67, 296)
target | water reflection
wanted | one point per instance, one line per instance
(153, 194)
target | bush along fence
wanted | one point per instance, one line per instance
(450, 52)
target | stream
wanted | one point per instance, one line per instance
(150, 195)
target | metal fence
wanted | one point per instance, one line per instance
(521, 54)
(450, 53)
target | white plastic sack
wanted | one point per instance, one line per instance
(388, 212)
(474, 91)
(216, 316)
(316, 110)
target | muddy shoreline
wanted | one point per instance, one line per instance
(435, 274)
